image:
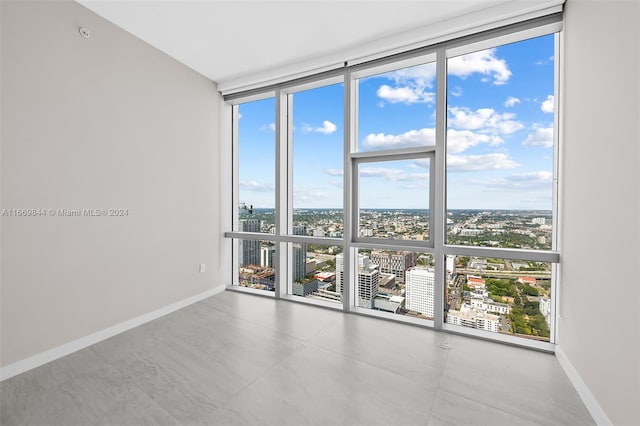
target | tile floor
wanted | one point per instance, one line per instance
(239, 359)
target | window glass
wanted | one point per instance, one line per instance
(256, 262)
(318, 152)
(313, 271)
(396, 109)
(500, 146)
(395, 281)
(394, 199)
(256, 166)
(499, 295)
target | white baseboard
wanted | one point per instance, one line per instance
(81, 343)
(589, 400)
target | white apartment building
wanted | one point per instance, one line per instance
(419, 290)
(475, 319)
(368, 279)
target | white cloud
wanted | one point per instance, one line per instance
(542, 136)
(270, 126)
(461, 140)
(547, 106)
(484, 120)
(405, 95)
(336, 183)
(392, 174)
(326, 129)
(412, 138)
(457, 91)
(483, 62)
(334, 172)
(457, 140)
(253, 185)
(522, 181)
(422, 75)
(465, 163)
(309, 194)
(549, 59)
(511, 101)
(411, 85)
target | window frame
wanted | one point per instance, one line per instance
(436, 245)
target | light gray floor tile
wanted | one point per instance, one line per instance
(410, 351)
(522, 382)
(451, 409)
(236, 303)
(78, 389)
(315, 386)
(295, 319)
(236, 359)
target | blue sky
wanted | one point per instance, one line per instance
(499, 135)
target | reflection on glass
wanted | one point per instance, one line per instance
(256, 264)
(314, 271)
(394, 199)
(499, 295)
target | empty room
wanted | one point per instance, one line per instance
(308, 212)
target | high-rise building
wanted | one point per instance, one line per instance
(266, 256)
(368, 279)
(451, 266)
(249, 249)
(419, 290)
(299, 267)
(395, 263)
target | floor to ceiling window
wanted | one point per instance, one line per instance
(419, 187)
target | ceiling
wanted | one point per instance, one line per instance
(226, 40)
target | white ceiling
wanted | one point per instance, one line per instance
(228, 40)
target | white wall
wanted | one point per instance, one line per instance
(103, 122)
(599, 329)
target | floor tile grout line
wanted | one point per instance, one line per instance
(493, 407)
(296, 349)
(134, 384)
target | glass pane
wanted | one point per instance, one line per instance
(500, 146)
(394, 199)
(499, 296)
(396, 109)
(256, 263)
(318, 153)
(399, 282)
(256, 165)
(314, 271)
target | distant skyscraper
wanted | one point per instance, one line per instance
(419, 290)
(249, 249)
(368, 279)
(299, 268)
(395, 263)
(539, 221)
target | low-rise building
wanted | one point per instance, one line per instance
(305, 289)
(473, 318)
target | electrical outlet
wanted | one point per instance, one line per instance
(202, 267)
